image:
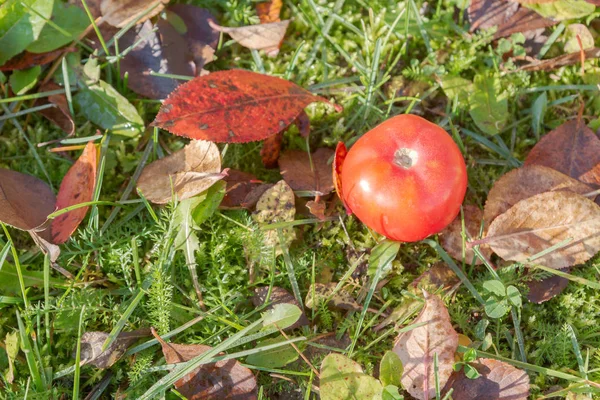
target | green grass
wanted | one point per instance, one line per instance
(377, 59)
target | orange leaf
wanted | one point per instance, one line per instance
(269, 11)
(77, 187)
(233, 106)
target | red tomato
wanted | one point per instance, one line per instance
(405, 179)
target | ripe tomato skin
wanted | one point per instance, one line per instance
(405, 179)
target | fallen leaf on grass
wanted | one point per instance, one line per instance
(417, 347)
(524, 20)
(539, 222)
(26, 59)
(546, 289)
(434, 277)
(233, 106)
(391, 369)
(223, 380)
(184, 173)
(254, 195)
(317, 208)
(77, 187)
(451, 237)
(239, 185)
(92, 342)
(269, 153)
(560, 61)
(498, 381)
(488, 105)
(342, 378)
(320, 292)
(59, 115)
(303, 124)
(296, 169)
(257, 37)
(278, 296)
(572, 148)
(269, 11)
(119, 13)
(485, 14)
(338, 160)
(277, 204)
(525, 182)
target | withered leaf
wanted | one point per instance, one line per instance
(524, 20)
(451, 237)
(278, 296)
(223, 380)
(119, 13)
(76, 187)
(485, 14)
(239, 185)
(561, 61)
(257, 37)
(498, 381)
(296, 168)
(233, 106)
(303, 124)
(269, 153)
(269, 11)
(544, 220)
(317, 208)
(91, 347)
(25, 201)
(546, 289)
(255, 194)
(416, 349)
(60, 115)
(324, 292)
(572, 149)
(277, 204)
(184, 173)
(438, 275)
(338, 160)
(525, 182)
(26, 59)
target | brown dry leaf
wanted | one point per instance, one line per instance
(277, 204)
(26, 59)
(525, 182)
(303, 123)
(249, 202)
(546, 289)
(278, 296)
(317, 208)
(498, 381)
(91, 347)
(451, 237)
(269, 11)
(258, 37)
(52, 250)
(572, 148)
(25, 201)
(437, 275)
(524, 20)
(271, 148)
(485, 14)
(416, 349)
(186, 172)
(59, 115)
(544, 220)
(561, 61)
(119, 13)
(239, 185)
(295, 166)
(322, 292)
(223, 380)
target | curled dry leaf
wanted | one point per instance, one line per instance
(546, 289)
(269, 11)
(184, 173)
(325, 292)
(338, 160)
(271, 148)
(525, 182)
(416, 349)
(60, 114)
(223, 380)
(539, 222)
(25, 201)
(451, 237)
(317, 208)
(76, 187)
(498, 381)
(233, 106)
(257, 37)
(278, 296)
(92, 342)
(296, 169)
(572, 148)
(119, 13)
(276, 204)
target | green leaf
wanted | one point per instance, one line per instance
(574, 31)
(487, 342)
(488, 107)
(514, 296)
(11, 343)
(9, 280)
(186, 238)
(19, 26)
(208, 206)
(496, 287)
(70, 18)
(23, 80)
(470, 356)
(107, 108)
(390, 369)
(538, 111)
(282, 315)
(496, 309)
(343, 379)
(471, 372)
(455, 86)
(391, 392)
(563, 9)
(480, 328)
(382, 256)
(273, 358)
